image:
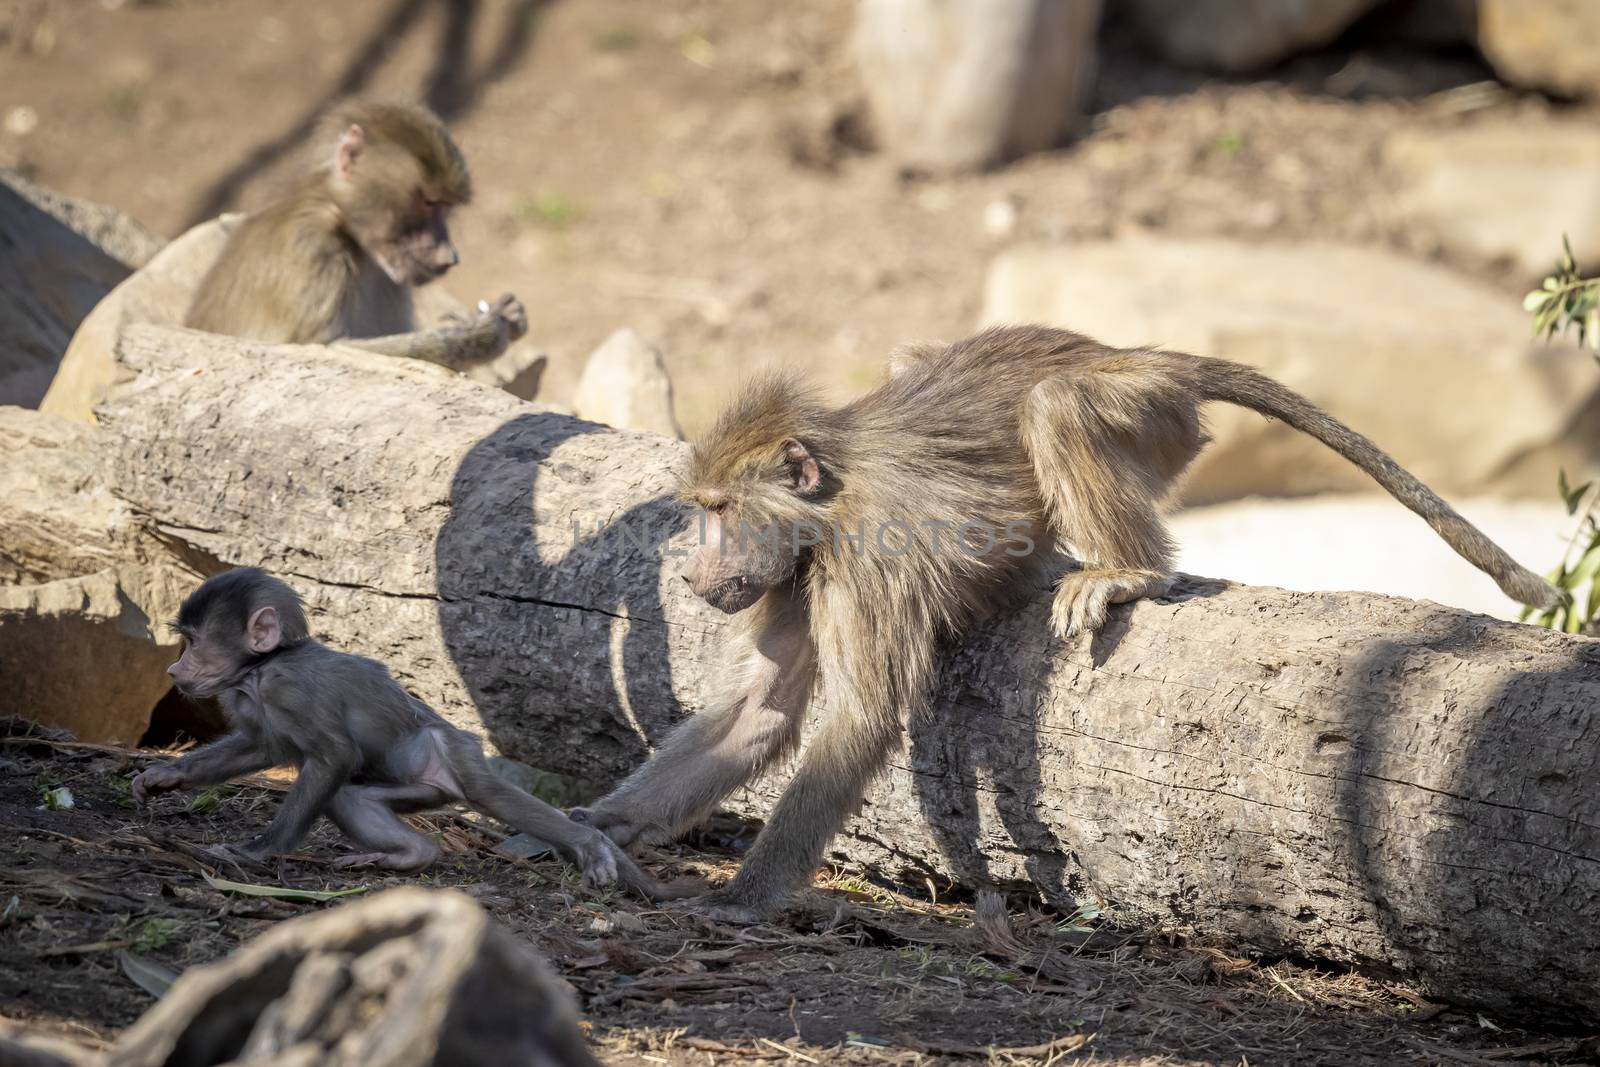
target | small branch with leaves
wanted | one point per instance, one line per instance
(1568, 301)
(1580, 578)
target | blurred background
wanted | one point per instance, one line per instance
(1354, 195)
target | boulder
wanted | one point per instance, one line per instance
(1504, 190)
(956, 85)
(625, 385)
(1440, 370)
(1242, 35)
(1550, 45)
(85, 587)
(58, 257)
(160, 293)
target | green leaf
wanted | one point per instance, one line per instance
(280, 892)
(1569, 262)
(1586, 568)
(1535, 300)
(152, 977)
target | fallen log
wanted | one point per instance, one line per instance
(1347, 777)
(407, 978)
(85, 588)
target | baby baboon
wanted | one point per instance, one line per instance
(367, 750)
(860, 536)
(335, 259)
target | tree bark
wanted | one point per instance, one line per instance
(1348, 777)
(85, 588)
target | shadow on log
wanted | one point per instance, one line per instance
(1346, 777)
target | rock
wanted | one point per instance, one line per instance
(625, 385)
(1551, 45)
(407, 978)
(1365, 542)
(60, 256)
(86, 588)
(160, 292)
(117, 235)
(1243, 35)
(1504, 190)
(1440, 370)
(956, 85)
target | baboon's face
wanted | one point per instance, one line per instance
(754, 532)
(416, 247)
(738, 560)
(208, 664)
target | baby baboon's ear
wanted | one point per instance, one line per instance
(263, 632)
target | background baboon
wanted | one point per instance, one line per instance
(336, 258)
(862, 535)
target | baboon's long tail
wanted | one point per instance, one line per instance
(1220, 379)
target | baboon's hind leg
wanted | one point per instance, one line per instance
(1107, 443)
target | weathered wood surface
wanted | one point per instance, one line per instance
(85, 589)
(1347, 777)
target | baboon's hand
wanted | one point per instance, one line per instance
(621, 826)
(154, 780)
(508, 315)
(1083, 597)
(600, 859)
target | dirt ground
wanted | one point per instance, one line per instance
(690, 167)
(863, 975)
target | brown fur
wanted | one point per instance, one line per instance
(334, 259)
(366, 750)
(1045, 437)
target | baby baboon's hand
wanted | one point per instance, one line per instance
(508, 314)
(599, 858)
(620, 826)
(160, 779)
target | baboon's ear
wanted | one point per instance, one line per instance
(351, 144)
(263, 632)
(803, 467)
